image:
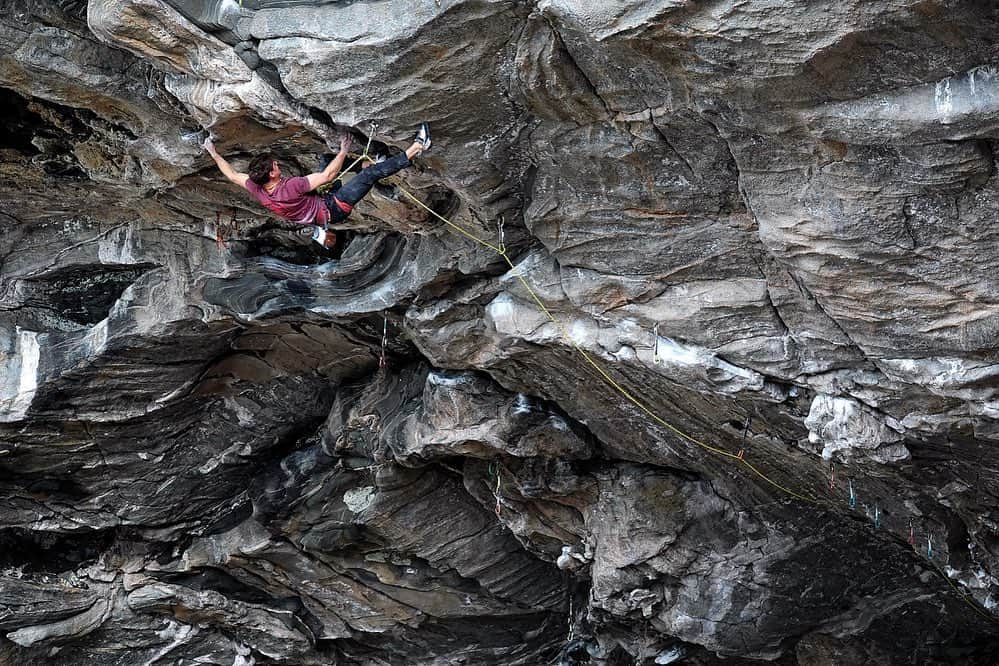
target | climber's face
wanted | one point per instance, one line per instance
(275, 170)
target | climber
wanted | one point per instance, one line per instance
(295, 198)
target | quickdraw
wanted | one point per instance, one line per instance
(494, 469)
(499, 506)
(223, 231)
(382, 361)
(219, 240)
(745, 433)
(655, 344)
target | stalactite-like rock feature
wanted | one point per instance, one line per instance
(703, 371)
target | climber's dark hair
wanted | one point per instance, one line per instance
(260, 168)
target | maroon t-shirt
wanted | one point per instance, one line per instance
(291, 200)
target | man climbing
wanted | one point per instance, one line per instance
(295, 198)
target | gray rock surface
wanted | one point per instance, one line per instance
(731, 400)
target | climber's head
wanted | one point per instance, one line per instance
(264, 168)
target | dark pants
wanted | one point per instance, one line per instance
(357, 187)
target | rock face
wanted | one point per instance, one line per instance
(727, 393)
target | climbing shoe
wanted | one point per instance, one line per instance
(423, 136)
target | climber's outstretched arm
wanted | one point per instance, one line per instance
(329, 174)
(234, 176)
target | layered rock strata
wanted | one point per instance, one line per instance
(730, 399)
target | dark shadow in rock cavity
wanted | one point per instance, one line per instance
(20, 122)
(85, 294)
(51, 552)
